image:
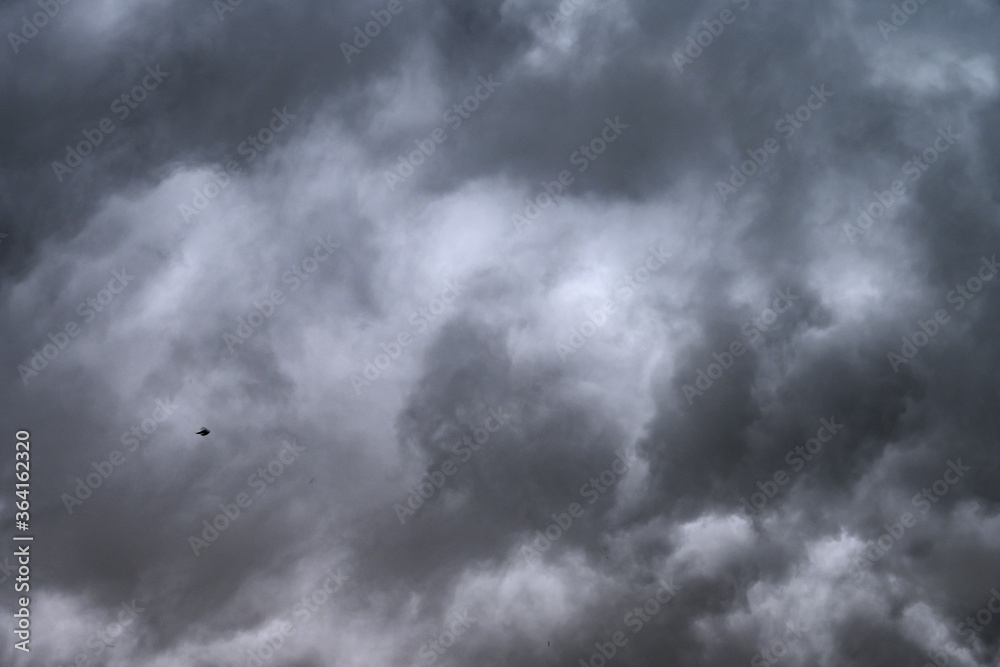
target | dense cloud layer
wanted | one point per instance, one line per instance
(527, 333)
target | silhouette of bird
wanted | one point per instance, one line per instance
(311, 481)
(204, 431)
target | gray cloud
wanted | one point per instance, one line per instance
(236, 320)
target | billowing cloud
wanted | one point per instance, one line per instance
(536, 333)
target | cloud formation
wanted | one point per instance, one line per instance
(722, 272)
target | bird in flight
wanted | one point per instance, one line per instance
(204, 431)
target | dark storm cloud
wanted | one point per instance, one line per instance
(726, 158)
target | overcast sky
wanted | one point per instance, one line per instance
(625, 332)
